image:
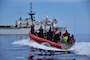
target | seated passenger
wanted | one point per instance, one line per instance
(72, 40)
(72, 37)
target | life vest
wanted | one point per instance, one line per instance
(65, 38)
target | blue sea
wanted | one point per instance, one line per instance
(21, 47)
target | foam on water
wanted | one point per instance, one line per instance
(31, 43)
(81, 48)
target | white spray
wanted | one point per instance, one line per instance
(81, 48)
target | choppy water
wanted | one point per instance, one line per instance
(20, 47)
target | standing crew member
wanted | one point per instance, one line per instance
(32, 28)
(66, 36)
(57, 36)
(66, 33)
(49, 34)
(41, 32)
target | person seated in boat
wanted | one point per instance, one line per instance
(66, 36)
(49, 34)
(41, 32)
(32, 28)
(72, 37)
(57, 37)
(72, 40)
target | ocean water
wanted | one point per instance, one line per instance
(21, 47)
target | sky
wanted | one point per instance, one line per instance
(73, 14)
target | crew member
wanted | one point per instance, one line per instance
(66, 36)
(57, 36)
(66, 33)
(72, 37)
(49, 34)
(72, 40)
(41, 32)
(32, 28)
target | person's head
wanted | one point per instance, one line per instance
(40, 26)
(32, 24)
(50, 28)
(66, 31)
(59, 33)
(72, 35)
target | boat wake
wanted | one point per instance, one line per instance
(31, 43)
(81, 48)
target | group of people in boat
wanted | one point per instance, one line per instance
(64, 37)
(54, 36)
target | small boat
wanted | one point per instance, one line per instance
(42, 40)
(62, 44)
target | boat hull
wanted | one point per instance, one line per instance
(42, 40)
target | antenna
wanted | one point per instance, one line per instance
(31, 13)
(19, 13)
(30, 6)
